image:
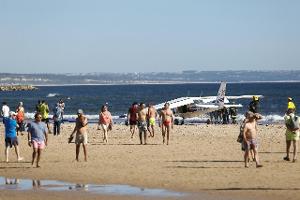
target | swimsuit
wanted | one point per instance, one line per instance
(167, 122)
(151, 121)
(142, 125)
(250, 144)
(81, 138)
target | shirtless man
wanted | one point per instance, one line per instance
(81, 134)
(151, 116)
(142, 122)
(167, 119)
(250, 137)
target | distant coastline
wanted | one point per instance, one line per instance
(185, 77)
(163, 83)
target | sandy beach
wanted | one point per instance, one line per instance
(200, 160)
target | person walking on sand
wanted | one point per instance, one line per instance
(20, 118)
(37, 137)
(4, 110)
(142, 123)
(81, 134)
(11, 135)
(151, 117)
(44, 109)
(57, 119)
(132, 117)
(250, 140)
(105, 121)
(292, 133)
(167, 119)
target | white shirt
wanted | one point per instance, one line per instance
(5, 111)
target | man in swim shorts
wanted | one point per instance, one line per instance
(151, 117)
(11, 139)
(142, 123)
(291, 135)
(81, 134)
(250, 140)
(167, 119)
(132, 117)
(37, 137)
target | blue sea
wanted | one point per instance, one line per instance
(120, 97)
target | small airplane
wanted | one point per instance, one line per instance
(188, 107)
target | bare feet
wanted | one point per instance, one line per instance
(258, 166)
(20, 159)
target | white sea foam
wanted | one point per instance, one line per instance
(53, 95)
(267, 119)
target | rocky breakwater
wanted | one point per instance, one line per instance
(17, 87)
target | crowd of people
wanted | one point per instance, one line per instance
(139, 117)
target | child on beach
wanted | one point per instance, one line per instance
(81, 134)
(250, 140)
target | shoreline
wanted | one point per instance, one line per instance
(200, 158)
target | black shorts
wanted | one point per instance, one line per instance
(132, 122)
(45, 120)
(9, 142)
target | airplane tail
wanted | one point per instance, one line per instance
(221, 94)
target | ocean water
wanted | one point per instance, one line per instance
(120, 97)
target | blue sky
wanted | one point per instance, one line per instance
(59, 36)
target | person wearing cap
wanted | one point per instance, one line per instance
(20, 118)
(11, 135)
(291, 134)
(250, 140)
(291, 104)
(254, 104)
(81, 134)
(37, 137)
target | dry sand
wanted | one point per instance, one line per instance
(201, 159)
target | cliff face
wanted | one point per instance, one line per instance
(16, 87)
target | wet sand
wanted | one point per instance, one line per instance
(201, 159)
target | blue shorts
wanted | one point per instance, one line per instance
(9, 142)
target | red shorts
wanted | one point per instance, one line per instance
(167, 123)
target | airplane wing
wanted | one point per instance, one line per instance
(244, 97)
(182, 101)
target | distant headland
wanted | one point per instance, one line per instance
(17, 87)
